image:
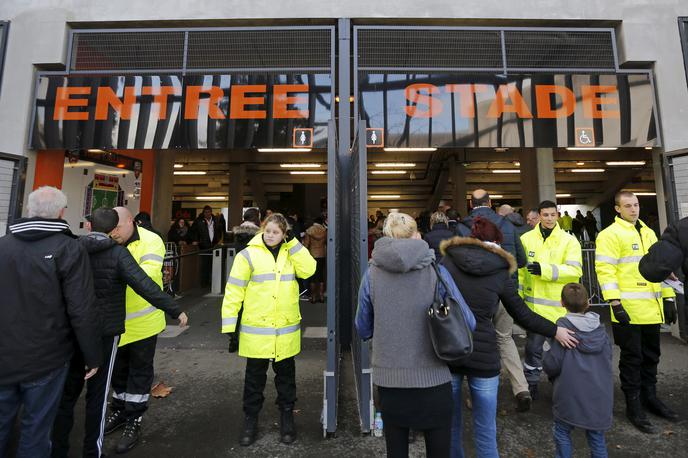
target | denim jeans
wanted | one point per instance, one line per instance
(484, 398)
(40, 399)
(564, 447)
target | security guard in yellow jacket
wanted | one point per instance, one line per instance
(554, 259)
(638, 308)
(132, 374)
(263, 281)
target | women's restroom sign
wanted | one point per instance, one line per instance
(303, 137)
(375, 137)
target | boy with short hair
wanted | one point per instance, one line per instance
(582, 377)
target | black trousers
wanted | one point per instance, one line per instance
(132, 378)
(437, 441)
(639, 344)
(256, 377)
(96, 402)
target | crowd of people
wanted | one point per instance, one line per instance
(88, 310)
(503, 269)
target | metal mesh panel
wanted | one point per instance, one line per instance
(127, 50)
(292, 48)
(428, 48)
(554, 49)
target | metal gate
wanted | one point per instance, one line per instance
(12, 176)
(334, 285)
(676, 167)
(360, 351)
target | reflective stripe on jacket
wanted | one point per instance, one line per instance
(142, 319)
(561, 260)
(618, 252)
(271, 320)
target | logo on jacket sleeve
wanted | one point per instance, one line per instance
(635, 247)
(531, 254)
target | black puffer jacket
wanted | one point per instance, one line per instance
(47, 301)
(482, 271)
(437, 234)
(667, 255)
(114, 268)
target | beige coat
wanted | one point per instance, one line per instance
(316, 240)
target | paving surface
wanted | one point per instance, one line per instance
(202, 416)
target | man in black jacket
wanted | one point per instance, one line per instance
(47, 304)
(667, 255)
(113, 268)
(503, 323)
(207, 233)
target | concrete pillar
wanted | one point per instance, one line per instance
(237, 176)
(530, 194)
(658, 170)
(459, 190)
(546, 183)
(163, 191)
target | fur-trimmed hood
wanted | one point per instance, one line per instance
(246, 228)
(476, 257)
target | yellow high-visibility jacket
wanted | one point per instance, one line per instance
(561, 260)
(144, 320)
(271, 320)
(619, 249)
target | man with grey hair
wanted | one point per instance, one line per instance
(47, 308)
(439, 230)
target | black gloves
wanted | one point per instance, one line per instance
(534, 268)
(233, 342)
(670, 314)
(620, 313)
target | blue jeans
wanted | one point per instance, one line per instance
(564, 447)
(40, 399)
(484, 398)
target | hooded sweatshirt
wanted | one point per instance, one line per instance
(394, 297)
(583, 379)
(47, 303)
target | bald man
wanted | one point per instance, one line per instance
(133, 372)
(482, 207)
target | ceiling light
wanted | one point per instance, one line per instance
(284, 150)
(563, 195)
(211, 197)
(96, 151)
(496, 196)
(580, 163)
(306, 172)
(395, 164)
(517, 164)
(112, 172)
(401, 150)
(178, 166)
(300, 166)
(645, 193)
(625, 163)
(190, 172)
(592, 148)
(501, 150)
(388, 172)
(385, 196)
(587, 170)
(506, 171)
(648, 147)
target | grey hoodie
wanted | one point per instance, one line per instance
(583, 379)
(402, 286)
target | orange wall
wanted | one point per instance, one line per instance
(148, 158)
(49, 168)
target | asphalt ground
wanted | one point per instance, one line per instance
(202, 417)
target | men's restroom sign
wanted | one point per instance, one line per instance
(375, 137)
(303, 137)
(585, 137)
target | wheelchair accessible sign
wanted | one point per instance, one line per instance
(585, 137)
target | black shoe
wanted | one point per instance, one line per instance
(250, 432)
(524, 401)
(650, 401)
(534, 392)
(130, 436)
(114, 421)
(636, 414)
(287, 428)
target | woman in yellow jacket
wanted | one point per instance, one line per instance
(263, 282)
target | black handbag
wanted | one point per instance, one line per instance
(451, 336)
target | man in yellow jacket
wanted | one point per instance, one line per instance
(132, 374)
(638, 308)
(263, 282)
(554, 259)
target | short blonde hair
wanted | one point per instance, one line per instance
(399, 226)
(437, 218)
